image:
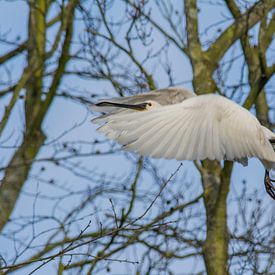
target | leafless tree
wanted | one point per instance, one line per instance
(149, 219)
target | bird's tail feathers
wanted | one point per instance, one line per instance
(269, 135)
(268, 159)
(269, 165)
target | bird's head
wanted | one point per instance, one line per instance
(150, 104)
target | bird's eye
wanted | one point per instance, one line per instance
(149, 104)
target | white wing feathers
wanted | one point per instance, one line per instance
(208, 126)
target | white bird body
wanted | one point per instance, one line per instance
(187, 128)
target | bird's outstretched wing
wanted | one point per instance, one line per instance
(207, 126)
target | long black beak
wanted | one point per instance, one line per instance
(138, 107)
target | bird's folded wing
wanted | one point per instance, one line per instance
(198, 128)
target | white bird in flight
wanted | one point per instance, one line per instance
(174, 123)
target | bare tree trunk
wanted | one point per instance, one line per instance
(17, 173)
(216, 187)
(36, 108)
